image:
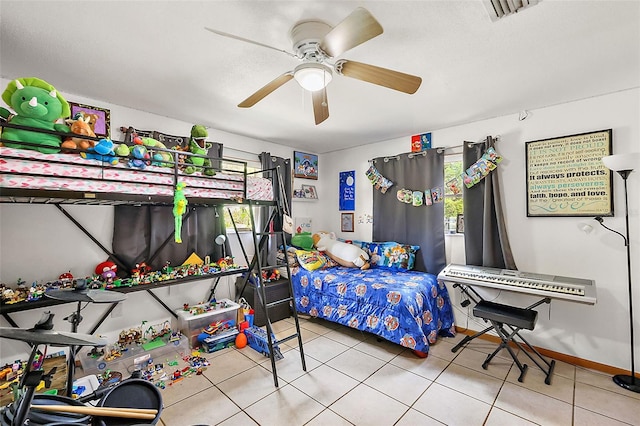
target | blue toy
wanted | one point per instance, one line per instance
(257, 340)
(102, 151)
(140, 157)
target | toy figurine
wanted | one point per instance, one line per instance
(103, 151)
(179, 209)
(199, 146)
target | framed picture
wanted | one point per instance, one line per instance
(460, 224)
(100, 118)
(309, 191)
(305, 166)
(566, 176)
(346, 222)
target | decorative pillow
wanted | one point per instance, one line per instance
(389, 254)
(314, 259)
(310, 260)
(392, 255)
(395, 255)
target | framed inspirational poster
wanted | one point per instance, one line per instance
(566, 176)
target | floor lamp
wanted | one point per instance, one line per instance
(624, 165)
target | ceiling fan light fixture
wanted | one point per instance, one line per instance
(313, 76)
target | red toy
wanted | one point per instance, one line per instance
(106, 269)
(141, 269)
(66, 277)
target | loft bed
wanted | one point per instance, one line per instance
(29, 176)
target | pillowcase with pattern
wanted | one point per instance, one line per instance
(392, 255)
(313, 259)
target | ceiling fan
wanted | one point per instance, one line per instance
(317, 44)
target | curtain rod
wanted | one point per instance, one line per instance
(440, 149)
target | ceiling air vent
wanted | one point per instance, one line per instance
(498, 9)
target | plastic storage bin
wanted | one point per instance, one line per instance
(134, 358)
(192, 325)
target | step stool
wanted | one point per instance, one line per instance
(515, 319)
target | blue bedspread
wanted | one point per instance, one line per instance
(409, 308)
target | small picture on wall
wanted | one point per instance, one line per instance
(309, 191)
(99, 118)
(346, 222)
(305, 166)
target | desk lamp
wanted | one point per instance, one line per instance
(221, 240)
(624, 164)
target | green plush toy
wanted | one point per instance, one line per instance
(159, 158)
(198, 145)
(180, 203)
(36, 104)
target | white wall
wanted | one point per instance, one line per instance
(598, 333)
(38, 243)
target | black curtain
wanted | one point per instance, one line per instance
(404, 223)
(485, 234)
(146, 234)
(281, 192)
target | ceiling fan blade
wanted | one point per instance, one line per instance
(320, 106)
(381, 76)
(267, 89)
(222, 33)
(354, 30)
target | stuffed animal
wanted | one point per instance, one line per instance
(344, 254)
(122, 150)
(304, 240)
(199, 146)
(79, 125)
(160, 158)
(102, 151)
(140, 158)
(36, 104)
(107, 270)
(179, 209)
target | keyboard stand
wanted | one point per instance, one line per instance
(499, 321)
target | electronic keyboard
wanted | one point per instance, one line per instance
(565, 288)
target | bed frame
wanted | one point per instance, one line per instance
(30, 177)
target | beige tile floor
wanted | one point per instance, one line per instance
(354, 379)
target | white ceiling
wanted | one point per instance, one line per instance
(157, 57)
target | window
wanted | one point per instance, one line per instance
(452, 194)
(240, 213)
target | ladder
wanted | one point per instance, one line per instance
(271, 237)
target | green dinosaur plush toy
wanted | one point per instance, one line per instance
(198, 145)
(36, 104)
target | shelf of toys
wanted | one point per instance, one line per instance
(23, 298)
